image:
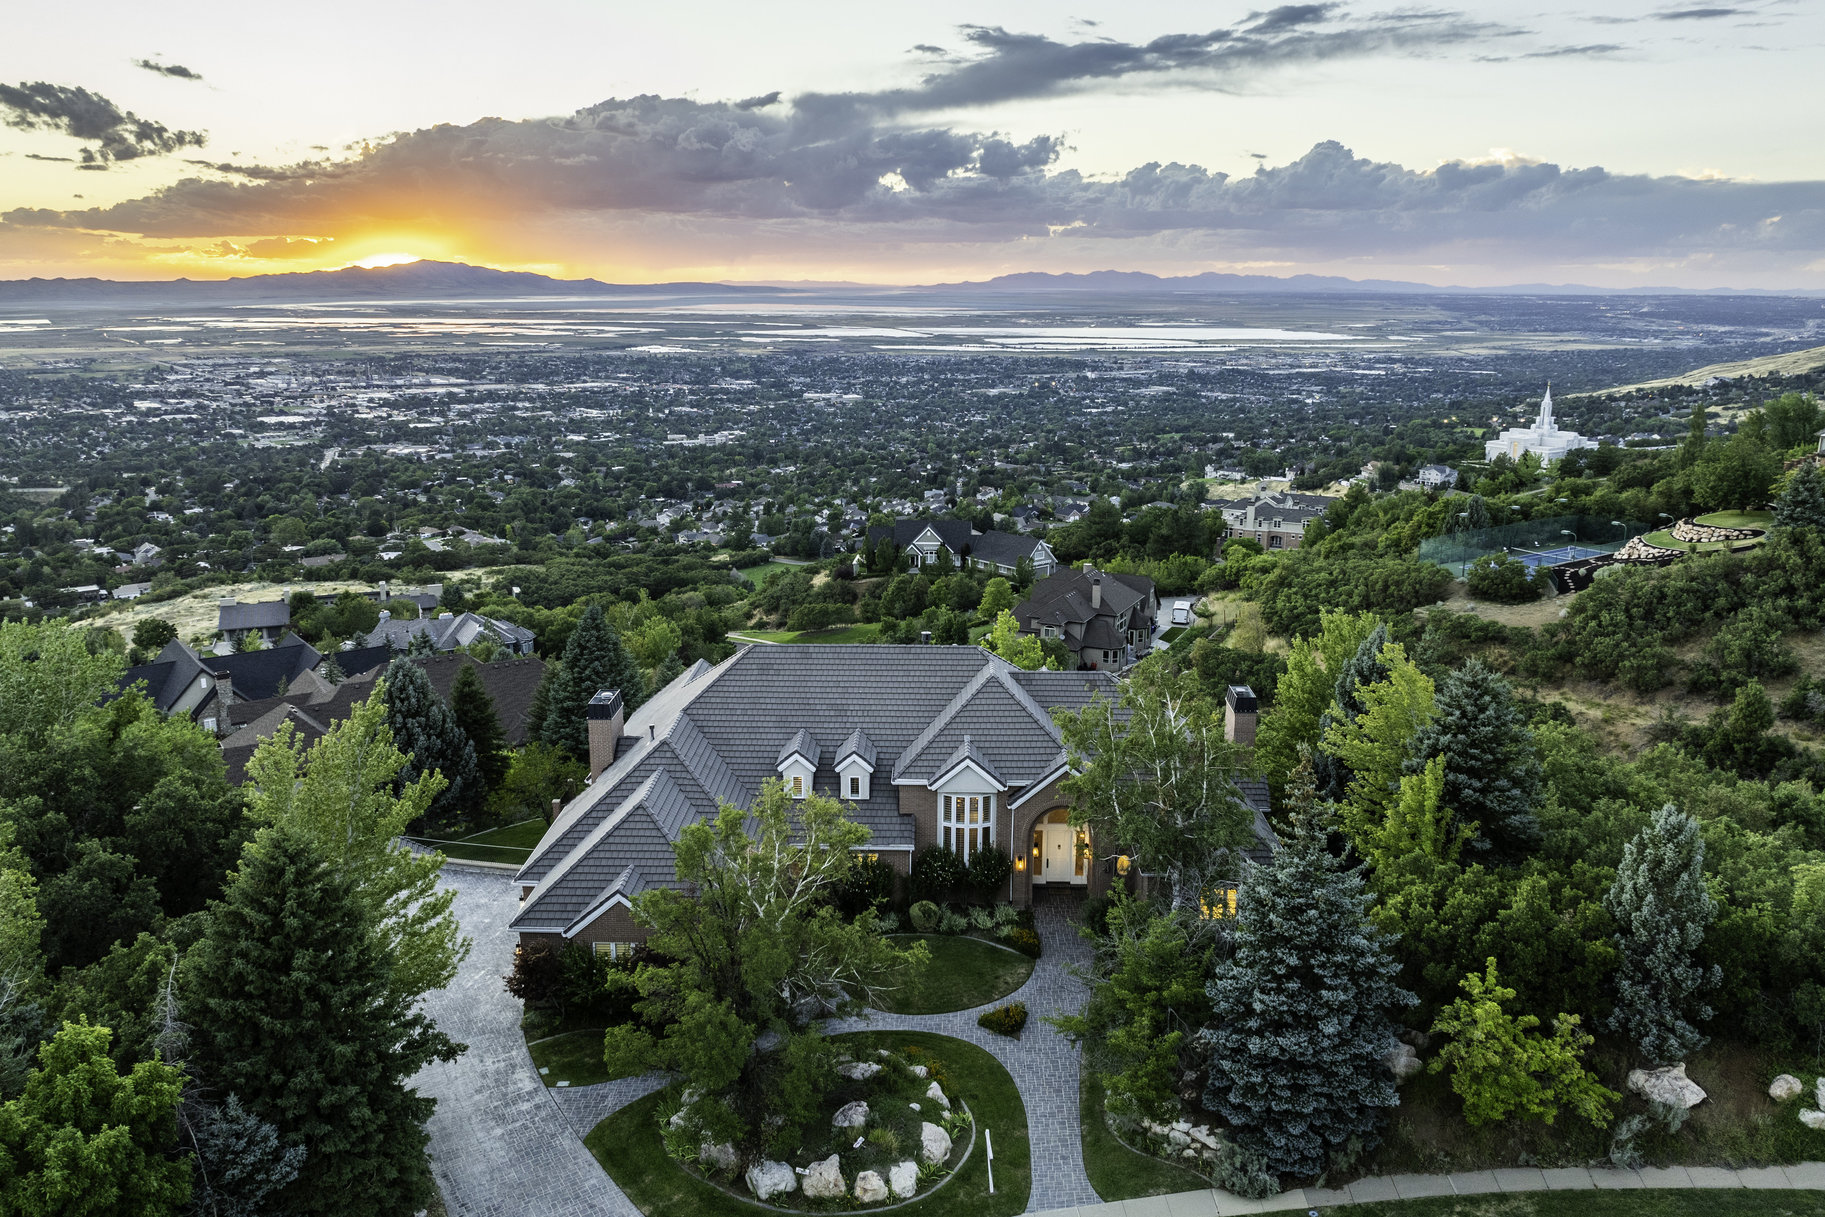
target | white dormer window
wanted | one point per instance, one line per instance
(798, 786)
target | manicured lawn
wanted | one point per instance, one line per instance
(574, 1057)
(757, 575)
(513, 843)
(1646, 1202)
(1115, 1171)
(964, 973)
(627, 1144)
(1737, 519)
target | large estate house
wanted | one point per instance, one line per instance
(932, 745)
(1275, 520)
(1105, 620)
(923, 541)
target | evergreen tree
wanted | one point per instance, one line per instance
(474, 712)
(1802, 504)
(433, 741)
(670, 668)
(594, 661)
(1492, 776)
(1662, 910)
(241, 1160)
(296, 1013)
(1300, 1010)
(332, 671)
(1360, 670)
(84, 1140)
(539, 709)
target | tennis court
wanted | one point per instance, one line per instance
(1552, 557)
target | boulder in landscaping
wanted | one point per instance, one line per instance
(935, 1093)
(934, 1143)
(1669, 1085)
(718, 1155)
(859, 1071)
(824, 1180)
(1813, 1119)
(850, 1115)
(1818, 1092)
(1402, 1061)
(920, 1071)
(1784, 1087)
(903, 1178)
(870, 1188)
(769, 1179)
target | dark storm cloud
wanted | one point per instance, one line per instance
(758, 103)
(176, 70)
(118, 135)
(1700, 14)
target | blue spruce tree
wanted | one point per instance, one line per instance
(1662, 910)
(1300, 1010)
(1492, 776)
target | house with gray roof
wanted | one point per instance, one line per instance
(1105, 620)
(267, 619)
(922, 541)
(450, 631)
(1276, 520)
(950, 746)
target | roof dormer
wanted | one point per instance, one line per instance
(798, 763)
(967, 769)
(855, 766)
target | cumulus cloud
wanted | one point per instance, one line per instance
(175, 70)
(118, 135)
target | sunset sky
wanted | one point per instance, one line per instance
(1617, 143)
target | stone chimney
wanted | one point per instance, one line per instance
(386, 615)
(1244, 712)
(1096, 591)
(606, 714)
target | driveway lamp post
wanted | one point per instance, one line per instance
(1566, 532)
(1623, 527)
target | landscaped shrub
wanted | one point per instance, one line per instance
(989, 869)
(538, 974)
(981, 919)
(936, 873)
(1006, 1020)
(869, 884)
(925, 916)
(1005, 914)
(888, 921)
(1023, 940)
(1096, 915)
(1504, 580)
(1244, 1173)
(953, 923)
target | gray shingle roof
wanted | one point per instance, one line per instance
(801, 745)
(268, 614)
(966, 754)
(891, 703)
(857, 745)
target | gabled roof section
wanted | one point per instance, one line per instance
(966, 757)
(1015, 736)
(803, 746)
(630, 845)
(857, 746)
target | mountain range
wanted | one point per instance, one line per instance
(432, 280)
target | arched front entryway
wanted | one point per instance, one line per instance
(1059, 852)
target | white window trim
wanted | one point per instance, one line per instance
(963, 816)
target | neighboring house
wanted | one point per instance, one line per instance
(131, 591)
(322, 560)
(205, 688)
(1106, 621)
(268, 619)
(450, 631)
(1276, 520)
(921, 541)
(314, 706)
(932, 746)
(1437, 477)
(147, 554)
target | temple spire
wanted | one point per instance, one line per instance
(1545, 421)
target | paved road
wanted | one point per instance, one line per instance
(503, 1145)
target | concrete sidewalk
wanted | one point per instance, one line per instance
(1216, 1203)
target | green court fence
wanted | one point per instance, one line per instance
(1456, 550)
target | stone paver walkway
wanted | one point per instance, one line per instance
(1214, 1203)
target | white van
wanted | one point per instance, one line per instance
(1181, 613)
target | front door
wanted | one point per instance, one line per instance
(1059, 858)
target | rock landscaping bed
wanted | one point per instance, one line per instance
(896, 1130)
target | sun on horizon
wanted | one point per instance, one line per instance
(390, 258)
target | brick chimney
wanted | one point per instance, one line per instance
(1096, 591)
(1244, 711)
(606, 714)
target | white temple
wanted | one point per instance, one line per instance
(1543, 439)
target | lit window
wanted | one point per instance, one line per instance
(1220, 903)
(798, 787)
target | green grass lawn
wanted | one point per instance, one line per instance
(1115, 1171)
(964, 973)
(513, 843)
(1737, 519)
(757, 575)
(1644, 1202)
(574, 1057)
(866, 632)
(627, 1144)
